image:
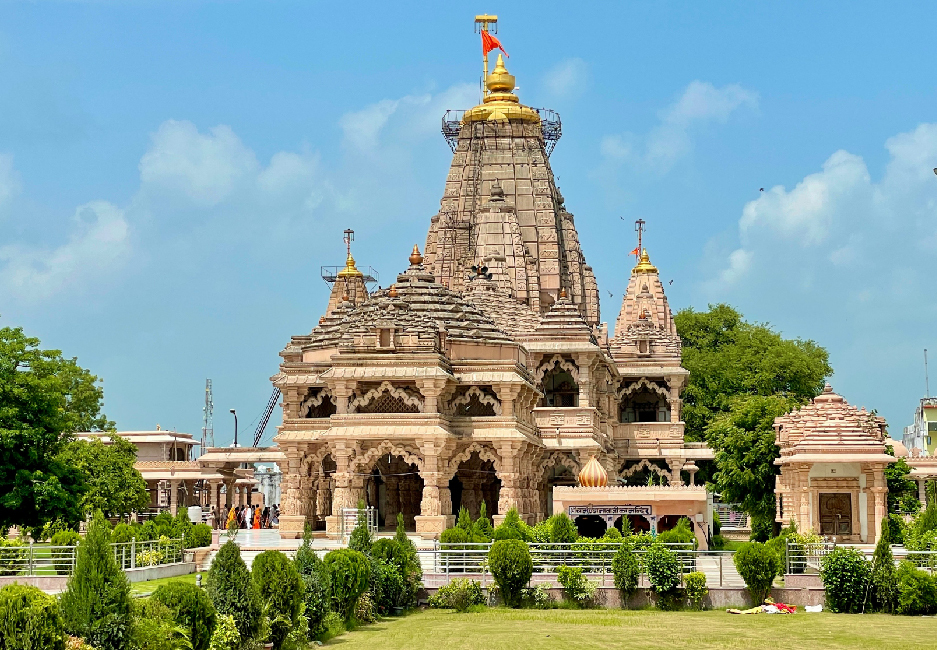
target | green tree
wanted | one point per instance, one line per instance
(902, 491)
(743, 439)
(96, 605)
(727, 356)
(231, 591)
(115, 486)
(281, 591)
(44, 398)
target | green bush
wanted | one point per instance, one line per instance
(348, 572)
(884, 577)
(96, 605)
(410, 570)
(758, 565)
(180, 524)
(694, 586)
(62, 558)
(452, 538)
(191, 608)
(231, 590)
(386, 585)
(197, 536)
(762, 528)
(537, 597)
(155, 628)
(360, 539)
(845, 573)
(12, 554)
(460, 594)
(482, 526)
(917, 591)
(511, 528)
(576, 587)
(365, 611)
(389, 550)
(316, 602)
(124, 532)
(29, 620)
(225, 636)
(612, 535)
(682, 533)
(464, 521)
(281, 591)
(562, 529)
(511, 567)
(626, 569)
(664, 571)
(307, 561)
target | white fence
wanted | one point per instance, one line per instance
(44, 560)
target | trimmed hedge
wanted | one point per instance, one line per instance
(29, 620)
(511, 567)
(231, 590)
(846, 574)
(191, 608)
(758, 565)
(281, 591)
(626, 569)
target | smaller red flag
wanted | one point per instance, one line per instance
(490, 43)
(635, 252)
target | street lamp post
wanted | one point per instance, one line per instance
(235, 427)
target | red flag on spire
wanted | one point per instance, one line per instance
(490, 43)
(635, 252)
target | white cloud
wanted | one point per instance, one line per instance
(9, 180)
(567, 77)
(206, 168)
(99, 243)
(701, 103)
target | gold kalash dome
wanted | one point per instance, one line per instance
(500, 103)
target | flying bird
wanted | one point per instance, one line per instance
(610, 294)
(671, 282)
(761, 189)
(935, 170)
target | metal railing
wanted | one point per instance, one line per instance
(450, 561)
(44, 560)
(349, 519)
(800, 558)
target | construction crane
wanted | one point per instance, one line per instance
(265, 418)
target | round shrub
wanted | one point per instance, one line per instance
(511, 528)
(846, 574)
(758, 565)
(562, 529)
(281, 591)
(386, 585)
(231, 590)
(682, 533)
(197, 536)
(917, 591)
(663, 571)
(62, 558)
(453, 536)
(124, 532)
(511, 567)
(626, 570)
(29, 619)
(389, 550)
(612, 534)
(460, 594)
(348, 573)
(694, 586)
(191, 608)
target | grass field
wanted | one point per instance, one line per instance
(148, 587)
(505, 629)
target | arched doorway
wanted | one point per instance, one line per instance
(476, 480)
(394, 485)
(554, 475)
(590, 525)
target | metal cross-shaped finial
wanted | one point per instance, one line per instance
(348, 238)
(639, 228)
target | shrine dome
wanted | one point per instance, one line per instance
(593, 475)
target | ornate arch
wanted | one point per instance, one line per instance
(643, 382)
(557, 360)
(484, 453)
(483, 398)
(645, 463)
(557, 458)
(386, 387)
(385, 447)
(315, 401)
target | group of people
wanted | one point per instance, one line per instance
(247, 517)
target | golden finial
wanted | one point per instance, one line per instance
(415, 258)
(392, 293)
(350, 270)
(563, 293)
(644, 264)
(500, 80)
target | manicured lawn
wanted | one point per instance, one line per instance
(498, 629)
(148, 587)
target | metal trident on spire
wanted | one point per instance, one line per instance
(348, 238)
(639, 228)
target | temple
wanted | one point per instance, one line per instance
(484, 372)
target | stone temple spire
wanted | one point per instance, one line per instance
(501, 207)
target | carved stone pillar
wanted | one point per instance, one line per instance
(584, 361)
(507, 394)
(292, 517)
(436, 505)
(509, 496)
(173, 496)
(342, 391)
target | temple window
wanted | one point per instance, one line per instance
(645, 406)
(318, 403)
(560, 389)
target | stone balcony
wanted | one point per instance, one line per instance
(650, 435)
(570, 426)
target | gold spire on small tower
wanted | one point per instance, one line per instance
(415, 258)
(350, 270)
(644, 264)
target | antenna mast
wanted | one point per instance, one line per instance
(208, 425)
(926, 378)
(639, 228)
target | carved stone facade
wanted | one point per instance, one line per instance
(483, 374)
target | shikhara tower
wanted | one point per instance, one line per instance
(484, 374)
(501, 207)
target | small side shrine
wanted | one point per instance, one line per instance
(833, 460)
(595, 506)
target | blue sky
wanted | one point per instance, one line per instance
(173, 174)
